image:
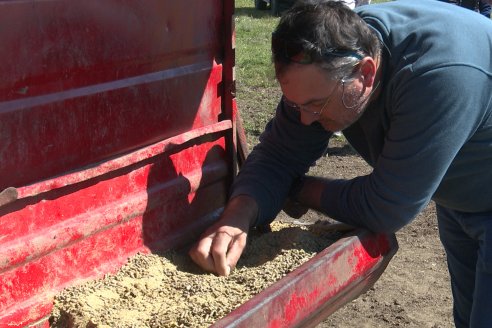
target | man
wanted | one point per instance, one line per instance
(409, 84)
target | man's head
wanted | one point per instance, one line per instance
(325, 58)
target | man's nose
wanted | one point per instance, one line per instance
(307, 119)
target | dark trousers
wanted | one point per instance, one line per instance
(467, 239)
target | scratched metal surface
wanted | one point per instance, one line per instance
(116, 129)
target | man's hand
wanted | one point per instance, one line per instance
(294, 209)
(221, 246)
(307, 197)
(219, 249)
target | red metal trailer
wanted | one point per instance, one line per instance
(118, 135)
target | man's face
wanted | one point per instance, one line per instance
(320, 99)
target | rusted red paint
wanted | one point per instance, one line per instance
(125, 60)
(298, 302)
(120, 162)
(319, 287)
(117, 136)
(28, 314)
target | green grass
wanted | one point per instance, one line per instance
(257, 90)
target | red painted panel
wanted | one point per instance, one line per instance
(93, 227)
(68, 214)
(151, 68)
(117, 131)
(51, 46)
(139, 115)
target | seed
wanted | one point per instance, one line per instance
(172, 293)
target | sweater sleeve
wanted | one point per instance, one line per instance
(431, 117)
(286, 151)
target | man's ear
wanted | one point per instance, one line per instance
(368, 70)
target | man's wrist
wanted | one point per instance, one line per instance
(244, 208)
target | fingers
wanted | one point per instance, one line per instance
(235, 250)
(200, 253)
(219, 252)
(221, 246)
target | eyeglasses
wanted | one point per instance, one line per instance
(305, 108)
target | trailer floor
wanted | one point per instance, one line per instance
(169, 290)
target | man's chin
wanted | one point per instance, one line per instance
(331, 126)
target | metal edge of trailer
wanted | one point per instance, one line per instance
(316, 289)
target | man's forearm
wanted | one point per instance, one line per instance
(311, 191)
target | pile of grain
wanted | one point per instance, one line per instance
(170, 291)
